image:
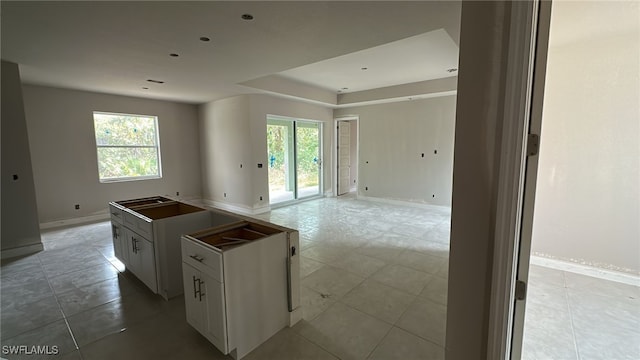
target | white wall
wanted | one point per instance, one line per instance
(588, 190)
(63, 150)
(233, 131)
(19, 212)
(393, 137)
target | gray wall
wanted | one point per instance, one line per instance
(479, 119)
(587, 195)
(233, 131)
(393, 137)
(63, 150)
(19, 212)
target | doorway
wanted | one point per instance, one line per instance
(566, 302)
(346, 179)
(294, 159)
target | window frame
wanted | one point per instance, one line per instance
(157, 147)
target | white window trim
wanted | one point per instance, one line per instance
(157, 147)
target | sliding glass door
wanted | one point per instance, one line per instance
(294, 159)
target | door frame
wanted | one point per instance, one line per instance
(526, 69)
(334, 157)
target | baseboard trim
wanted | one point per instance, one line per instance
(587, 270)
(402, 202)
(75, 221)
(242, 209)
(21, 251)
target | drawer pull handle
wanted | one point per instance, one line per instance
(195, 292)
(197, 258)
(200, 293)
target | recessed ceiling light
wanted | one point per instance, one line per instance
(452, 70)
(364, 68)
(204, 38)
(174, 55)
(156, 81)
(247, 17)
(145, 88)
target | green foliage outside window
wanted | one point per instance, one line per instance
(127, 146)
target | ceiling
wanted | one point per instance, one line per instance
(310, 50)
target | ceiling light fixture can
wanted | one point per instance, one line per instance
(247, 17)
(174, 55)
(204, 38)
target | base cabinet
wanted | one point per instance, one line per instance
(235, 284)
(146, 239)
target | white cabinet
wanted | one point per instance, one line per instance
(146, 238)
(236, 283)
(205, 306)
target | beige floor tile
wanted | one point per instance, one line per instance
(289, 345)
(403, 278)
(378, 300)
(436, 290)
(332, 282)
(425, 319)
(401, 345)
(345, 332)
(359, 264)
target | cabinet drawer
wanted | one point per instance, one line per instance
(138, 224)
(116, 214)
(202, 258)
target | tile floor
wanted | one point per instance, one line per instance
(573, 316)
(374, 286)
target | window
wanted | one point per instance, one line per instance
(128, 147)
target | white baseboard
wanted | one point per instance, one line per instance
(328, 194)
(21, 251)
(75, 221)
(403, 202)
(242, 209)
(587, 270)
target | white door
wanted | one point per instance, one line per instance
(344, 157)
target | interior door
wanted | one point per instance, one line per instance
(344, 157)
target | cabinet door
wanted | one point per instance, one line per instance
(212, 297)
(142, 261)
(116, 234)
(192, 303)
(147, 262)
(133, 260)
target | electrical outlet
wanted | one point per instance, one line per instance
(260, 198)
(177, 193)
(366, 188)
(225, 194)
(77, 206)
